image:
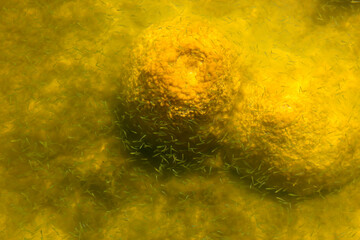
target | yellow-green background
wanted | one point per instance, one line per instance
(63, 173)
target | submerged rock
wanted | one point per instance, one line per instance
(298, 140)
(182, 87)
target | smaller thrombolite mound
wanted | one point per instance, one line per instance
(182, 85)
(300, 142)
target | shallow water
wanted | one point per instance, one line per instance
(64, 172)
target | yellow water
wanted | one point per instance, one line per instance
(63, 173)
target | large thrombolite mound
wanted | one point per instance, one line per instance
(293, 141)
(182, 86)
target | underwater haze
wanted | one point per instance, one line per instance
(285, 164)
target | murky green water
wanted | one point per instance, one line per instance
(66, 174)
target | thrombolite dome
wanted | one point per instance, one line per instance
(294, 141)
(183, 84)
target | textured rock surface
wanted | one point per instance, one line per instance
(301, 140)
(184, 67)
(182, 86)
